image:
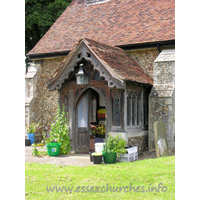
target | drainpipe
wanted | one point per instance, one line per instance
(158, 47)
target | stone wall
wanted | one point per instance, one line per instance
(145, 58)
(43, 105)
(141, 141)
(30, 90)
(162, 97)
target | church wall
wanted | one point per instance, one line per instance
(162, 97)
(145, 58)
(43, 107)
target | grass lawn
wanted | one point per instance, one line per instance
(135, 180)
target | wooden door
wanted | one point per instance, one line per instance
(83, 125)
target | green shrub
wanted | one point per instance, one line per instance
(115, 145)
(60, 132)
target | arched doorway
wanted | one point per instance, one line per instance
(88, 115)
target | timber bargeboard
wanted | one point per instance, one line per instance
(80, 52)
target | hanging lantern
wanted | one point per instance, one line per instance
(81, 78)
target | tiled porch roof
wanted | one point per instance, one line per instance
(119, 63)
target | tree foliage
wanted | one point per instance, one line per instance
(39, 17)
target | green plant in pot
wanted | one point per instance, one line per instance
(31, 130)
(59, 141)
(113, 147)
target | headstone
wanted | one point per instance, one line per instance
(160, 139)
(162, 147)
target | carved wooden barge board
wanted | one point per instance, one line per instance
(84, 51)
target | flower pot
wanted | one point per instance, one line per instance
(91, 159)
(109, 157)
(97, 158)
(27, 142)
(31, 137)
(99, 147)
(53, 149)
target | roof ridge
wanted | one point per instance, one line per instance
(91, 2)
(102, 43)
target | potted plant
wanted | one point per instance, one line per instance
(113, 147)
(100, 133)
(59, 141)
(31, 130)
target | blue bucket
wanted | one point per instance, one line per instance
(31, 136)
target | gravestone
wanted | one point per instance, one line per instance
(160, 139)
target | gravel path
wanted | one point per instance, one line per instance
(64, 160)
(73, 160)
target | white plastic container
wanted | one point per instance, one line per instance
(99, 147)
(132, 150)
(130, 156)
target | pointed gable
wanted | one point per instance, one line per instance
(113, 64)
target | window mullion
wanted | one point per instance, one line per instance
(131, 110)
(135, 110)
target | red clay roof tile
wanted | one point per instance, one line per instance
(121, 64)
(115, 22)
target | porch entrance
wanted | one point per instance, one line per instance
(89, 114)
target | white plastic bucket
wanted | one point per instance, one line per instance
(99, 147)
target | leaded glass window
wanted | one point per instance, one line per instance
(138, 110)
(128, 110)
(145, 109)
(116, 108)
(133, 108)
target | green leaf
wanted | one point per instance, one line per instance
(59, 131)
